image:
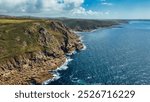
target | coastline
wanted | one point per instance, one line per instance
(48, 51)
(55, 73)
(64, 66)
(30, 62)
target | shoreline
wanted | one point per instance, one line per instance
(105, 27)
(54, 47)
(41, 47)
(55, 73)
(64, 66)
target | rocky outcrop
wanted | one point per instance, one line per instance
(25, 69)
(43, 47)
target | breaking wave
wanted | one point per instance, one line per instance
(56, 74)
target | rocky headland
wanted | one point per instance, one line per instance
(29, 49)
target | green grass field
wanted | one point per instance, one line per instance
(14, 37)
(20, 36)
(6, 21)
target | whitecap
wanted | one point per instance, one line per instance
(89, 77)
(74, 80)
(78, 81)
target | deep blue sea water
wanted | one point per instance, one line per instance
(119, 55)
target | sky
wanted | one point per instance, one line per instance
(90, 9)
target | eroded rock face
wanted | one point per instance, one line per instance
(44, 37)
(71, 41)
(25, 69)
(51, 41)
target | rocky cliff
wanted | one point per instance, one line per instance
(30, 48)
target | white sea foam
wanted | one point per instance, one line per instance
(82, 41)
(56, 74)
(93, 30)
(72, 53)
(81, 38)
(65, 65)
(74, 80)
(84, 47)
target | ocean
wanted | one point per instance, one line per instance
(118, 55)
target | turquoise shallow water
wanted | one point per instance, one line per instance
(114, 56)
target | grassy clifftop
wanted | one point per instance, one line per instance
(30, 48)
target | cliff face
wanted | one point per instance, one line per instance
(29, 49)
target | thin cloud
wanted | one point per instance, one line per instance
(106, 3)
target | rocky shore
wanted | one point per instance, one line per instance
(32, 49)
